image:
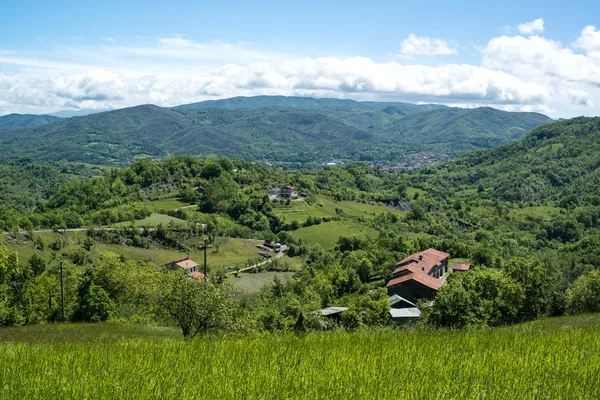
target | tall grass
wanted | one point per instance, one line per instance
(559, 359)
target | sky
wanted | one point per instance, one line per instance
(541, 56)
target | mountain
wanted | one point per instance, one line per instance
(277, 128)
(553, 162)
(25, 120)
(466, 129)
(75, 113)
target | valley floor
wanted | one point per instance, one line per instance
(557, 358)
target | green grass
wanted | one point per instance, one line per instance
(251, 283)
(300, 211)
(544, 212)
(167, 204)
(154, 219)
(232, 251)
(548, 359)
(411, 191)
(327, 234)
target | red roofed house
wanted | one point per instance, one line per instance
(190, 267)
(418, 275)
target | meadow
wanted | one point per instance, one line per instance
(327, 234)
(555, 358)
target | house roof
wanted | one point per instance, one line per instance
(288, 187)
(395, 299)
(332, 310)
(419, 277)
(461, 266)
(412, 312)
(424, 260)
(186, 264)
(196, 275)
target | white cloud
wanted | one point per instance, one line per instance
(354, 77)
(589, 40)
(580, 98)
(517, 73)
(534, 55)
(108, 39)
(529, 28)
(424, 46)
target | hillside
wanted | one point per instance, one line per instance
(467, 128)
(550, 163)
(90, 360)
(26, 120)
(276, 128)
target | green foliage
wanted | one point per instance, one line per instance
(293, 131)
(584, 294)
(481, 297)
(198, 307)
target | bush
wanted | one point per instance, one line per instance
(584, 294)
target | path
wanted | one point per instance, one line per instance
(277, 256)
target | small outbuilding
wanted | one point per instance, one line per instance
(401, 308)
(461, 266)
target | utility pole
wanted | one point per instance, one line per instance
(62, 290)
(205, 245)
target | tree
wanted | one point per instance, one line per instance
(584, 294)
(480, 297)
(198, 307)
(37, 264)
(95, 305)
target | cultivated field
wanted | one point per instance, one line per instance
(548, 359)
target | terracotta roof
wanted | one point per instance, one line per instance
(196, 275)
(186, 264)
(288, 187)
(423, 261)
(461, 266)
(420, 277)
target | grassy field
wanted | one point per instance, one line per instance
(167, 204)
(154, 219)
(547, 359)
(232, 251)
(252, 283)
(544, 212)
(327, 234)
(325, 207)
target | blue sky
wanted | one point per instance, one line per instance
(515, 55)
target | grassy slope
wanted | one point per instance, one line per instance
(232, 251)
(546, 359)
(299, 211)
(252, 283)
(327, 234)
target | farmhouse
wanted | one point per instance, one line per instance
(190, 267)
(419, 275)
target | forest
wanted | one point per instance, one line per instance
(283, 129)
(526, 215)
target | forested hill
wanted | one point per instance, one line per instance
(308, 130)
(328, 105)
(25, 120)
(557, 161)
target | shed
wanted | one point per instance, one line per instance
(461, 266)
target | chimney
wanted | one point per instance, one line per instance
(420, 257)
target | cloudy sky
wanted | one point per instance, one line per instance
(514, 55)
